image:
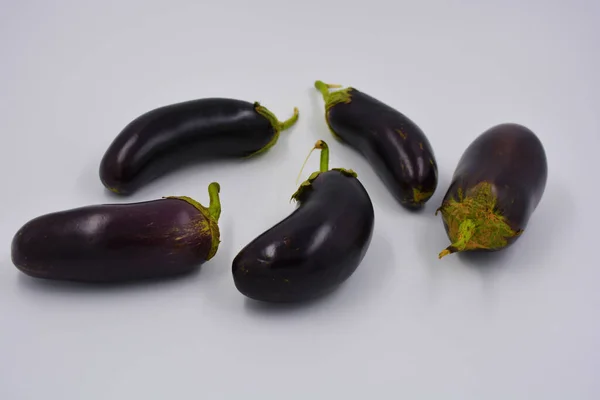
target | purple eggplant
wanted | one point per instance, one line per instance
(169, 137)
(314, 249)
(120, 242)
(498, 183)
(394, 145)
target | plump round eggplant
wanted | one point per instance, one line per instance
(317, 247)
(498, 183)
(120, 242)
(394, 145)
(168, 137)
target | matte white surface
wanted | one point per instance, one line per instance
(521, 324)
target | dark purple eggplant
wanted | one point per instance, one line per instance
(168, 137)
(498, 183)
(317, 247)
(120, 242)
(394, 145)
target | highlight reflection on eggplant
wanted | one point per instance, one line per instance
(120, 242)
(498, 183)
(165, 138)
(394, 145)
(317, 247)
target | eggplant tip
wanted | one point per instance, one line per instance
(474, 222)
(446, 252)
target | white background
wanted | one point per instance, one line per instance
(520, 324)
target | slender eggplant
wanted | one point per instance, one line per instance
(168, 137)
(498, 183)
(120, 242)
(394, 145)
(317, 247)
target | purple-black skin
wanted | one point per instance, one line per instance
(316, 248)
(512, 159)
(394, 145)
(169, 137)
(114, 242)
(313, 250)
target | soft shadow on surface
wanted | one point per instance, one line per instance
(261, 307)
(48, 286)
(432, 239)
(486, 261)
(89, 177)
(547, 229)
(371, 276)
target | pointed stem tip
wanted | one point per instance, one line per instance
(324, 163)
(324, 88)
(214, 208)
(446, 251)
(290, 121)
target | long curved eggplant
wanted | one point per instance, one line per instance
(498, 183)
(317, 247)
(394, 145)
(120, 242)
(168, 137)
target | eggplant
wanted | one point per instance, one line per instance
(395, 146)
(317, 247)
(168, 137)
(120, 242)
(497, 185)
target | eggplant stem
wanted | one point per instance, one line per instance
(446, 251)
(473, 221)
(277, 125)
(465, 232)
(324, 88)
(290, 121)
(335, 97)
(214, 208)
(324, 163)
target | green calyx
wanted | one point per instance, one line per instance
(277, 125)
(333, 98)
(474, 222)
(209, 225)
(323, 167)
(307, 184)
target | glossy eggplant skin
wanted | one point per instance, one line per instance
(313, 250)
(508, 162)
(394, 145)
(115, 242)
(169, 137)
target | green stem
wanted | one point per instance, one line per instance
(290, 121)
(324, 163)
(277, 124)
(465, 232)
(324, 88)
(214, 208)
(321, 145)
